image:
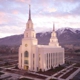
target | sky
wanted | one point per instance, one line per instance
(14, 15)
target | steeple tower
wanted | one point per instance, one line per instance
(29, 12)
(29, 24)
(53, 39)
(29, 31)
(53, 27)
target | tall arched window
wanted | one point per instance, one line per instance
(47, 60)
(26, 54)
(28, 27)
(33, 35)
(27, 35)
(21, 59)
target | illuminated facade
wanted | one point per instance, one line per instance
(34, 57)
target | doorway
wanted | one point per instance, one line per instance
(26, 67)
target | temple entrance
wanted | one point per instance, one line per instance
(26, 67)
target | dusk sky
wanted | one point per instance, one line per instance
(14, 15)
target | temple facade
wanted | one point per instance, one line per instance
(36, 57)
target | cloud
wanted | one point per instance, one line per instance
(2, 17)
(72, 1)
(15, 12)
(76, 11)
(23, 1)
(50, 10)
(2, 13)
(11, 30)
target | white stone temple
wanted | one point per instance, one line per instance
(36, 57)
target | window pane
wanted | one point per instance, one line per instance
(26, 61)
(26, 54)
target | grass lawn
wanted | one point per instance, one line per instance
(1, 69)
(69, 73)
(53, 79)
(52, 71)
(77, 65)
(1, 73)
(25, 79)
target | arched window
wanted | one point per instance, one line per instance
(21, 59)
(33, 35)
(26, 54)
(26, 61)
(47, 60)
(28, 27)
(27, 35)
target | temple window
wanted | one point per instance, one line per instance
(26, 54)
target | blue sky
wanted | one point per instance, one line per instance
(14, 15)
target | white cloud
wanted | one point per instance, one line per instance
(13, 18)
(11, 30)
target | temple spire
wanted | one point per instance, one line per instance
(29, 12)
(53, 27)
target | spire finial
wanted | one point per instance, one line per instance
(29, 12)
(53, 27)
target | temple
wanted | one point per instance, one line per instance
(36, 57)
